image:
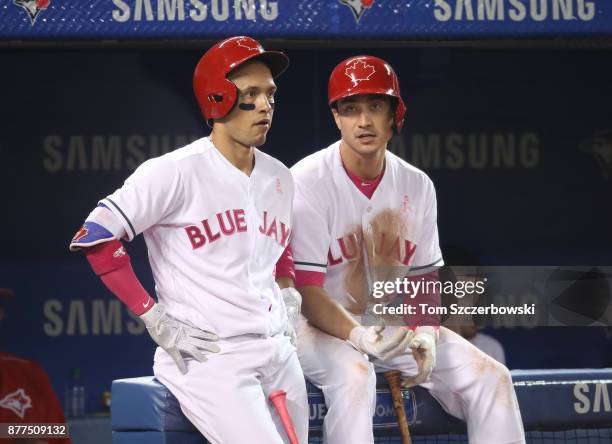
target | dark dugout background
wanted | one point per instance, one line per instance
(517, 141)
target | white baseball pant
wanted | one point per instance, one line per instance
(467, 383)
(226, 397)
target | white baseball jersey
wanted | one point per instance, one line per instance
(329, 208)
(213, 235)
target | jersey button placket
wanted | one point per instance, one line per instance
(365, 218)
(251, 225)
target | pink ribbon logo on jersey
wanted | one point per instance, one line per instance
(405, 203)
(32, 7)
(17, 402)
(358, 7)
(279, 188)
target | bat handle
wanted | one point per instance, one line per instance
(393, 379)
(278, 398)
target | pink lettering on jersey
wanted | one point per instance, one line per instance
(230, 222)
(285, 232)
(262, 229)
(350, 247)
(272, 230)
(195, 237)
(331, 260)
(199, 239)
(209, 234)
(240, 222)
(409, 250)
(352, 254)
(226, 231)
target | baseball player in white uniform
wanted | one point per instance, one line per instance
(216, 216)
(361, 212)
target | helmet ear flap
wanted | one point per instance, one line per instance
(400, 114)
(221, 101)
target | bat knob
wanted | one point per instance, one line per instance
(393, 375)
(279, 399)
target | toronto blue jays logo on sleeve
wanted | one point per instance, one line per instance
(358, 7)
(32, 7)
(17, 402)
(359, 71)
(80, 234)
(89, 235)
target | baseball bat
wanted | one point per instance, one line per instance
(393, 379)
(278, 398)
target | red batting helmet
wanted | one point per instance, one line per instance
(217, 95)
(366, 75)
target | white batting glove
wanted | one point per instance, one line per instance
(178, 338)
(371, 341)
(293, 304)
(423, 345)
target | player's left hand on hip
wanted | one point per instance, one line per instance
(178, 338)
(293, 304)
(423, 345)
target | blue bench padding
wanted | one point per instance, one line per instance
(144, 411)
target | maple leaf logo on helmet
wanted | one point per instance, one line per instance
(248, 44)
(358, 7)
(359, 71)
(32, 7)
(17, 402)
